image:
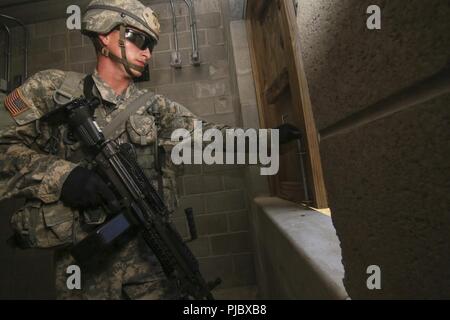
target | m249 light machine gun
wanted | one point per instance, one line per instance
(142, 206)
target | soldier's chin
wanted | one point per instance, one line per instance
(136, 73)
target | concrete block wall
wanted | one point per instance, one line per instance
(217, 193)
(244, 74)
(387, 181)
(257, 184)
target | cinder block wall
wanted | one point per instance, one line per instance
(387, 181)
(217, 193)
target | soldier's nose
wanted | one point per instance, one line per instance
(147, 54)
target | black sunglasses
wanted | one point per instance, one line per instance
(140, 39)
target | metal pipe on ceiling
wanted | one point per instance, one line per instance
(176, 55)
(195, 56)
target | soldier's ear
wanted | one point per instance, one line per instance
(105, 39)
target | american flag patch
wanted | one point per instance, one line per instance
(15, 103)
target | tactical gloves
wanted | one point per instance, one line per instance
(288, 132)
(84, 189)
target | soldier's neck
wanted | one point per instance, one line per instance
(118, 81)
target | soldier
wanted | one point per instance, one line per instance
(47, 167)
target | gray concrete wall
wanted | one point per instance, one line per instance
(217, 193)
(257, 185)
(237, 9)
(387, 182)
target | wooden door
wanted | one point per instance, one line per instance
(283, 96)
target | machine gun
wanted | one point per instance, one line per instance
(142, 206)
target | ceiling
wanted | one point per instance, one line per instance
(33, 11)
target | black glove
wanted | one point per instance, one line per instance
(288, 132)
(84, 189)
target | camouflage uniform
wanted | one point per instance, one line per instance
(35, 161)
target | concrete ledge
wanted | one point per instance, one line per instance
(298, 253)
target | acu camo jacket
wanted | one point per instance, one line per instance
(35, 160)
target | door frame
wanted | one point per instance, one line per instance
(296, 80)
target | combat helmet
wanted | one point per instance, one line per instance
(103, 16)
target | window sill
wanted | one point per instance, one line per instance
(298, 254)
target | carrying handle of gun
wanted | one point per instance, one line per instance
(191, 223)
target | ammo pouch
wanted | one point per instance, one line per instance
(142, 132)
(39, 225)
(142, 129)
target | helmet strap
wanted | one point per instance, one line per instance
(125, 62)
(128, 66)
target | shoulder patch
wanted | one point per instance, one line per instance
(16, 104)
